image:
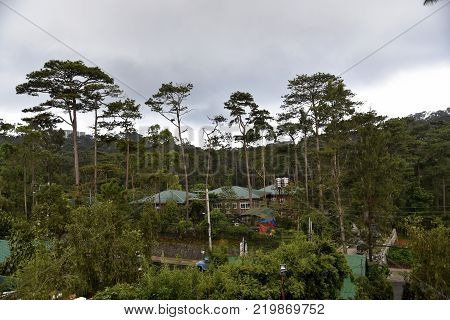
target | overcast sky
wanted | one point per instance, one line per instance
(229, 45)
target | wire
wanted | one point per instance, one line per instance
(384, 45)
(48, 33)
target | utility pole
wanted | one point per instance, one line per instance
(283, 271)
(309, 229)
(208, 213)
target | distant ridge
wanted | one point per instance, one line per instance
(427, 115)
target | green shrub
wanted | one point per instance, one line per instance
(121, 291)
(400, 257)
(173, 284)
(430, 275)
(219, 254)
(375, 285)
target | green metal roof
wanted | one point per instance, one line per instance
(270, 190)
(239, 192)
(5, 251)
(264, 213)
(179, 196)
(357, 264)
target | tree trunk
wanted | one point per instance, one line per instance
(33, 182)
(312, 198)
(127, 170)
(263, 155)
(296, 175)
(319, 170)
(183, 156)
(305, 150)
(337, 175)
(95, 152)
(370, 221)
(25, 204)
(237, 165)
(132, 186)
(249, 184)
(208, 211)
(75, 150)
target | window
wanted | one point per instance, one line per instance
(216, 206)
(245, 205)
(234, 205)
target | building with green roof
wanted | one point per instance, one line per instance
(161, 198)
(237, 192)
(234, 199)
(270, 191)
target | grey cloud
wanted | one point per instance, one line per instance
(221, 46)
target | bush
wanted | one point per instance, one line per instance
(173, 284)
(111, 191)
(121, 291)
(315, 271)
(375, 285)
(150, 227)
(170, 214)
(22, 242)
(102, 249)
(430, 275)
(98, 251)
(52, 211)
(219, 255)
(400, 257)
(6, 222)
(42, 277)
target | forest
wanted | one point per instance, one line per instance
(68, 201)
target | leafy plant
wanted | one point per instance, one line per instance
(400, 257)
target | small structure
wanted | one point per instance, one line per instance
(243, 247)
(264, 218)
(161, 198)
(357, 264)
(5, 252)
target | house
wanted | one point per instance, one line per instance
(262, 217)
(233, 199)
(272, 193)
(161, 198)
(68, 134)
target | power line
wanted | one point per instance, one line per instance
(384, 45)
(81, 55)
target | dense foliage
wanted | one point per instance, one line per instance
(400, 257)
(430, 275)
(316, 271)
(375, 284)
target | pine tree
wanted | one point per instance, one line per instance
(122, 114)
(64, 82)
(169, 102)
